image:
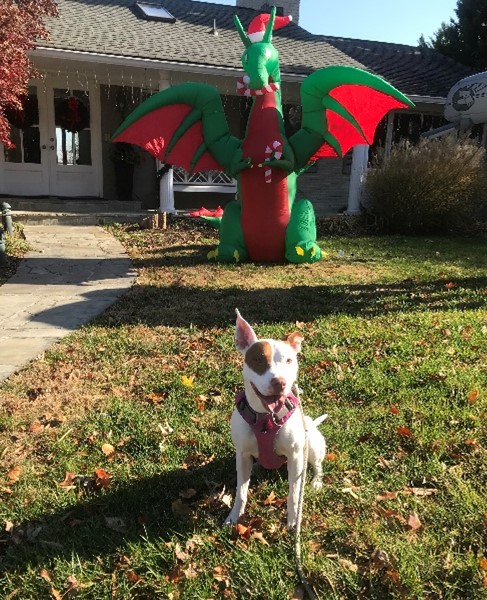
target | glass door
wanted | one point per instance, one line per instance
(73, 143)
(25, 166)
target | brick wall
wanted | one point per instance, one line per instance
(290, 7)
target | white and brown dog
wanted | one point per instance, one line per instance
(267, 423)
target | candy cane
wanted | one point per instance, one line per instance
(276, 150)
(244, 90)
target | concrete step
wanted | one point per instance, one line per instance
(74, 218)
(74, 211)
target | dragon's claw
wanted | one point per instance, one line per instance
(304, 252)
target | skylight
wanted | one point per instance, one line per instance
(155, 12)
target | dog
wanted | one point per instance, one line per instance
(267, 423)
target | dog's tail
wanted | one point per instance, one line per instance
(319, 420)
(315, 422)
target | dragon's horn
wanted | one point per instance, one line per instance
(270, 26)
(241, 32)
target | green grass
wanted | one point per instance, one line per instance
(395, 352)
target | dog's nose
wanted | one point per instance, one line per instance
(278, 384)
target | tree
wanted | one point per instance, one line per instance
(20, 26)
(465, 39)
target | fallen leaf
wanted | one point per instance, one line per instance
(394, 410)
(259, 536)
(404, 431)
(386, 496)
(68, 482)
(180, 553)
(44, 573)
(155, 397)
(56, 594)
(108, 450)
(415, 491)
(187, 381)
(35, 427)
(414, 522)
(102, 478)
(201, 401)
(483, 563)
(132, 576)
(14, 474)
(451, 285)
(73, 586)
(348, 565)
(331, 456)
(472, 397)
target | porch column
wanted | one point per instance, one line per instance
(360, 159)
(166, 190)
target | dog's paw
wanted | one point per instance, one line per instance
(230, 520)
(316, 483)
(291, 524)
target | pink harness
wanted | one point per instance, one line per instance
(266, 426)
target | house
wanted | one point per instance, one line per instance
(105, 56)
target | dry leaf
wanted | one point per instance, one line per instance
(483, 563)
(68, 482)
(132, 576)
(404, 432)
(414, 522)
(348, 565)
(155, 397)
(180, 553)
(259, 536)
(386, 496)
(472, 397)
(451, 285)
(14, 474)
(331, 456)
(187, 381)
(420, 491)
(108, 450)
(102, 478)
(44, 573)
(56, 594)
(394, 410)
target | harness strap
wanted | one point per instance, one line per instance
(266, 426)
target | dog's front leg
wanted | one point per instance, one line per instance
(295, 473)
(244, 469)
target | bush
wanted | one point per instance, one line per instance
(435, 186)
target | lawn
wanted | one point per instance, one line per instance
(117, 464)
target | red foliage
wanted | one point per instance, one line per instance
(20, 26)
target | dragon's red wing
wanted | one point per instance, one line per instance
(368, 106)
(155, 130)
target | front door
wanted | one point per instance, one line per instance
(57, 144)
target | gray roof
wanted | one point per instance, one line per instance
(413, 70)
(115, 27)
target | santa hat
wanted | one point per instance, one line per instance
(259, 24)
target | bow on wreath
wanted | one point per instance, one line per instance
(72, 115)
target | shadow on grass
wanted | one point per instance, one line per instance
(104, 523)
(182, 306)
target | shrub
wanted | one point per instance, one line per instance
(435, 186)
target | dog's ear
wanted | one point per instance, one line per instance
(244, 334)
(294, 340)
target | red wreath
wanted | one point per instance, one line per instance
(24, 117)
(72, 115)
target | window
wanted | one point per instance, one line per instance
(154, 12)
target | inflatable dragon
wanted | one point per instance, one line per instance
(185, 125)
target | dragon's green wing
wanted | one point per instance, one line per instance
(342, 107)
(184, 125)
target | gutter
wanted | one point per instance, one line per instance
(146, 63)
(157, 64)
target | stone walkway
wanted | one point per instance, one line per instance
(72, 275)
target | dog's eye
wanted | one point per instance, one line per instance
(289, 361)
